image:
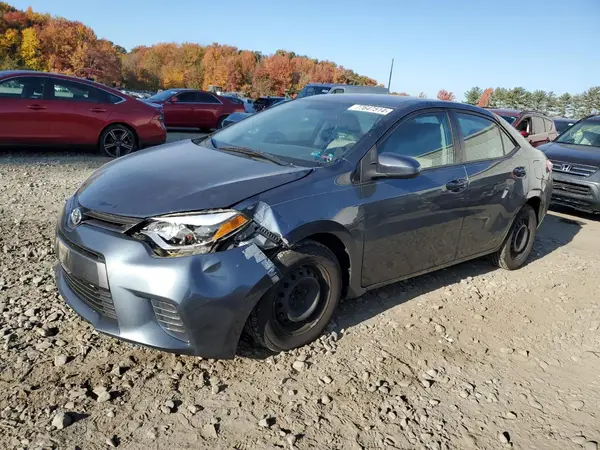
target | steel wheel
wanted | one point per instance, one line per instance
(118, 141)
(520, 237)
(300, 300)
(296, 310)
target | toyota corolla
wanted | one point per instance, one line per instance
(267, 224)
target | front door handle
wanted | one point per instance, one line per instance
(97, 110)
(36, 107)
(457, 185)
(519, 172)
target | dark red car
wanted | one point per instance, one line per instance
(533, 126)
(190, 108)
(46, 109)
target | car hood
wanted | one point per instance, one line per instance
(180, 177)
(580, 154)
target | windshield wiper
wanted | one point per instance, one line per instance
(253, 153)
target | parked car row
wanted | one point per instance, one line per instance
(267, 224)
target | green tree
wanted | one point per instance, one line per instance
(536, 100)
(473, 95)
(564, 105)
(498, 98)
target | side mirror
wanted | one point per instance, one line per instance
(391, 165)
(524, 133)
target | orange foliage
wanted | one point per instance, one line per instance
(445, 95)
(33, 40)
(484, 100)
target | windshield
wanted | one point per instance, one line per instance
(509, 119)
(304, 132)
(562, 125)
(313, 90)
(586, 132)
(162, 96)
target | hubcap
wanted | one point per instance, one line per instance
(119, 142)
(521, 237)
(299, 299)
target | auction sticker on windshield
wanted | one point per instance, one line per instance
(371, 109)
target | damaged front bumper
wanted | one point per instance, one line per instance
(194, 305)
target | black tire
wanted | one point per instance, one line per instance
(519, 242)
(220, 122)
(117, 140)
(306, 264)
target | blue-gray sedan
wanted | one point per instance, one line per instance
(266, 224)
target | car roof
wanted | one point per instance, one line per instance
(392, 101)
(36, 73)
(507, 111)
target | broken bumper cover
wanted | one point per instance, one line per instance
(194, 305)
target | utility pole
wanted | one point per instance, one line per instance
(391, 70)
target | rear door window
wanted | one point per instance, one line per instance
(482, 139)
(66, 90)
(23, 88)
(187, 97)
(205, 97)
(538, 125)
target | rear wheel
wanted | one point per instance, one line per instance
(519, 242)
(117, 140)
(298, 308)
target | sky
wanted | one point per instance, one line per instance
(437, 44)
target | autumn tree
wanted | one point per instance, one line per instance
(445, 95)
(484, 99)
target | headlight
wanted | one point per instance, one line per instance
(193, 233)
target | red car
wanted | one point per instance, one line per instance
(533, 126)
(190, 108)
(47, 109)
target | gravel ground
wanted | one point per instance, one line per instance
(468, 357)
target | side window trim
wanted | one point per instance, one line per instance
(417, 113)
(461, 139)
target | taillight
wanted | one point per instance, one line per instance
(548, 166)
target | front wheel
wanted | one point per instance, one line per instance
(296, 310)
(519, 242)
(220, 122)
(117, 140)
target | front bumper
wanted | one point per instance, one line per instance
(194, 305)
(576, 192)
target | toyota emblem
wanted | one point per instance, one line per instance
(76, 217)
(565, 168)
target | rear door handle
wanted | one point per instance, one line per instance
(519, 172)
(97, 110)
(36, 107)
(457, 185)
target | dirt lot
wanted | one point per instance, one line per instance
(469, 357)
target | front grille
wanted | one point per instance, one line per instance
(97, 298)
(111, 222)
(169, 320)
(572, 188)
(579, 170)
